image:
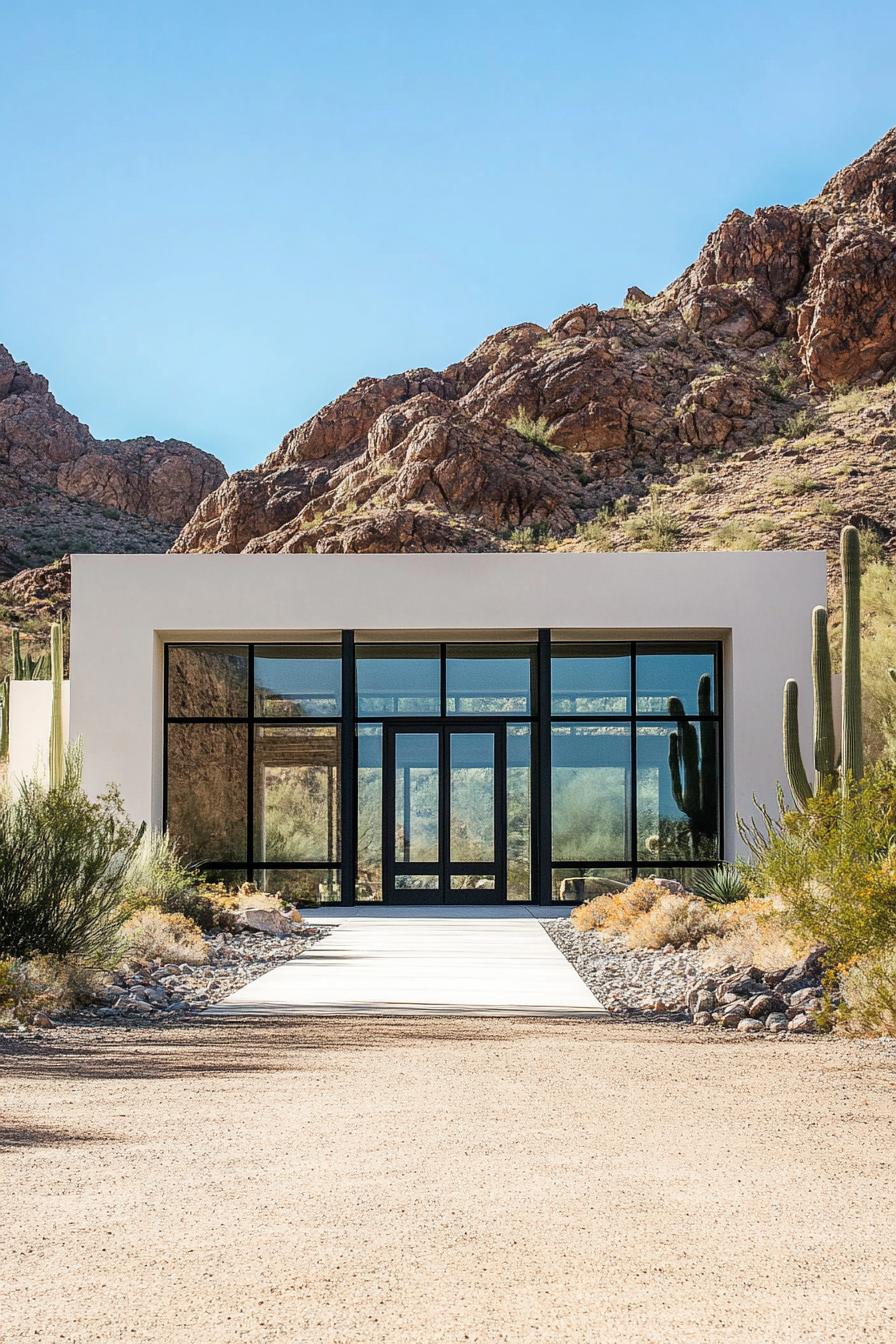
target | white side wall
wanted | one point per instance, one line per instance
(125, 607)
(29, 727)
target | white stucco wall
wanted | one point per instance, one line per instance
(125, 607)
(29, 727)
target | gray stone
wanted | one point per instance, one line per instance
(702, 1019)
(763, 1004)
(800, 1024)
(733, 1014)
(139, 1006)
(750, 1026)
(705, 1001)
(807, 969)
(803, 996)
(776, 1022)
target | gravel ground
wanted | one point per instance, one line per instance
(439, 1181)
(628, 981)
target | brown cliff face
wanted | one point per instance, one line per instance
(61, 489)
(780, 310)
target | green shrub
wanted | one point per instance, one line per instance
(63, 860)
(832, 866)
(657, 529)
(597, 533)
(203, 908)
(798, 425)
(536, 431)
(868, 990)
(157, 873)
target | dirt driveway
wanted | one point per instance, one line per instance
(445, 1180)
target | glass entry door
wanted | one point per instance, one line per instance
(444, 814)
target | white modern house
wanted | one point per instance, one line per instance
(431, 728)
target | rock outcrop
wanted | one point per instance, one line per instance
(59, 486)
(541, 428)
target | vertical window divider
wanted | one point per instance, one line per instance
(632, 836)
(348, 749)
(542, 793)
(250, 768)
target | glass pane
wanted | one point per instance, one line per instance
(207, 790)
(590, 772)
(590, 679)
(301, 886)
(416, 881)
(472, 882)
(519, 812)
(472, 797)
(398, 679)
(580, 884)
(298, 681)
(416, 797)
(231, 878)
(678, 791)
(685, 874)
(208, 681)
(369, 883)
(296, 794)
(483, 679)
(686, 674)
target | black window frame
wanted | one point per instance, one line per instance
(540, 720)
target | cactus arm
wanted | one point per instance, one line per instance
(57, 745)
(18, 671)
(4, 718)
(675, 771)
(853, 761)
(823, 716)
(793, 757)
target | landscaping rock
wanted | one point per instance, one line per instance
(702, 1019)
(750, 1026)
(268, 921)
(800, 1024)
(776, 1022)
(762, 1004)
(733, 1014)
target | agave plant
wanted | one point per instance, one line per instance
(722, 885)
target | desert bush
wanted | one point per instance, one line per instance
(63, 860)
(157, 872)
(42, 984)
(613, 912)
(868, 992)
(754, 933)
(153, 935)
(536, 431)
(832, 866)
(798, 425)
(208, 909)
(657, 529)
(680, 919)
(597, 533)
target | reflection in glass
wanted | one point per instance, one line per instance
(369, 885)
(296, 794)
(583, 883)
(208, 681)
(519, 812)
(301, 886)
(207, 793)
(397, 679)
(664, 674)
(590, 679)
(473, 882)
(590, 770)
(488, 679)
(297, 681)
(416, 797)
(416, 881)
(678, 791)
(472, 797)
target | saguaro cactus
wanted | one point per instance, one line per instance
(692, 766)
(829, 769)
(57, 743)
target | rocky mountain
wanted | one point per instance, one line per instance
(569, 435)
(62, 490)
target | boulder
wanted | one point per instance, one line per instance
(267, 921)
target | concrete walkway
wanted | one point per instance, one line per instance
(495, 961)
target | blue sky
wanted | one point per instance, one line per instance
(218, 216)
